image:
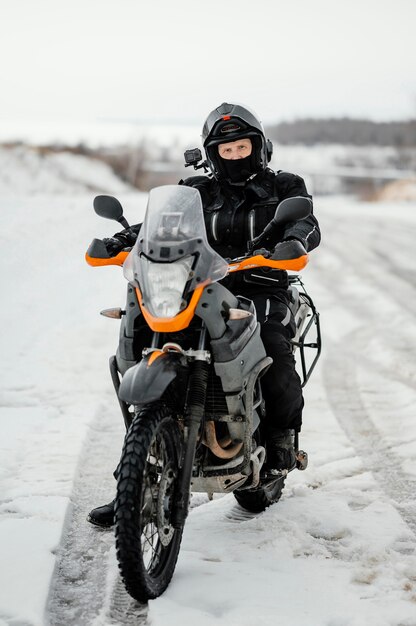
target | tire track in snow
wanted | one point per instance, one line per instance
(396, 290)
(82, 593)
(367, 255)
(341, 384)
(123, 610)
(366, 258)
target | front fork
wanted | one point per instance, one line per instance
(197, 389)
(115, 377)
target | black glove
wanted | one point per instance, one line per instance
(290, 248)
(124, 239)
(294, 239)
(302, 241)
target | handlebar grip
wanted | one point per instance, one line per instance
(97, 255)
(97, 250)
(292, 249)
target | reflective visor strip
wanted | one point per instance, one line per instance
(214, 225)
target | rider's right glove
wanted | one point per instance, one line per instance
(124, 239)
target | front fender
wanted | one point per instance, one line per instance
(148, 380)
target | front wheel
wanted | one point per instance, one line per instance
(147, 545)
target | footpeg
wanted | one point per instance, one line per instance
(273, 474)
(301, 460)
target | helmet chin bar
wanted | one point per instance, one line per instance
(237, 171)
(228, 169)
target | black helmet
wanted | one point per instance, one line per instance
(230, 122)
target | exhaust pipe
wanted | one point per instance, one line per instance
(223, 449)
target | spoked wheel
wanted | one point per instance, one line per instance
(257, 500)
(147, 545)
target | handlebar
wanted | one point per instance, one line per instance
(235, 265)
(287, 255)
(259, 260)
(112, 260)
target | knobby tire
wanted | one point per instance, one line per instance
(147, 546)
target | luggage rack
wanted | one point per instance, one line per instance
(300, 341)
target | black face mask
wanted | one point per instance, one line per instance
(237, 170)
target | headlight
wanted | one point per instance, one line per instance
(163, 286)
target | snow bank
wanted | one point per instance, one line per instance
(25, 170)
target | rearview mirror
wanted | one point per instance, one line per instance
(289, 210)
(292, 210)
(110, 208)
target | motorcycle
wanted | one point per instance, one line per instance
(192, 404)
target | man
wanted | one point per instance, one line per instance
(239, 199)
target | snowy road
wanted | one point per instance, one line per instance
(338, 550)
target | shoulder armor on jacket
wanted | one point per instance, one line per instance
(287, 175)
(195, 181)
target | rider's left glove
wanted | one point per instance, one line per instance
(302, 241)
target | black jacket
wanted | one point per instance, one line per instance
(235, 215)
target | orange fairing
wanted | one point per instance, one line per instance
(114, 260)
(184, 318)
(282, 264)
(171, 324)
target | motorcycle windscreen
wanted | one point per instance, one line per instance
(174, 229)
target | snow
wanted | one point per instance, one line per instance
(32, 171)
(337, 550)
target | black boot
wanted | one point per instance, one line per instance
(280, 449)
(102, 516)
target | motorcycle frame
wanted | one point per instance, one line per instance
(301, 344)
(299, 341)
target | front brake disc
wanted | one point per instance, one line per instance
(164, 503)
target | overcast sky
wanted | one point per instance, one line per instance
(162, 60)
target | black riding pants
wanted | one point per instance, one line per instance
(281, 384)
